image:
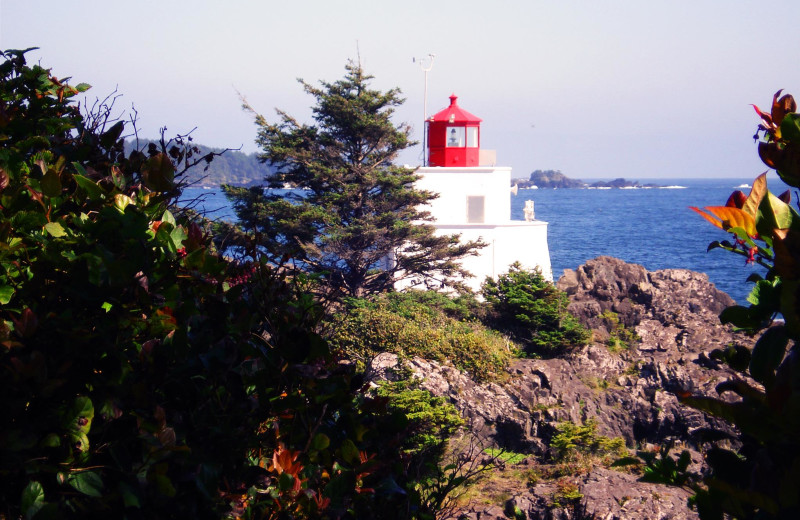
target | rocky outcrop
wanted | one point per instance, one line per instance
(630, 393)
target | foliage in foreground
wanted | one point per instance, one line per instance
(530, 309)
(114, 376)
(141, 374)
(762, 478)
(407, 325)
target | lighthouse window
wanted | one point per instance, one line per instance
(455, 136)
(472, 136)
(475, 211)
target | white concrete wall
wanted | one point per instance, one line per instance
(514, 241)
(454, 185)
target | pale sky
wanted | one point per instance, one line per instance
(594, 88)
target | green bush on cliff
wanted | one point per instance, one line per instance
(533, 312)
(407, 324)
(429, 420)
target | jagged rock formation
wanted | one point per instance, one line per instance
(629, 393)
(621, 183)
(551, 179)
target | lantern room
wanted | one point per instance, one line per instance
(453, 137)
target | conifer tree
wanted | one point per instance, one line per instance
(358, 221)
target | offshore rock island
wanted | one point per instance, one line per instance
(555, 179)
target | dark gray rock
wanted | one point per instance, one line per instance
(631, 393)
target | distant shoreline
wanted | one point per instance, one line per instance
(555, 179)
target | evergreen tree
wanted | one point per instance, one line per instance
(357, 223)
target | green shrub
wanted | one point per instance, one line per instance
(406, 325)
(506, 457)
(572, 440)
(619, 336)
(533, 313)
(430, 420)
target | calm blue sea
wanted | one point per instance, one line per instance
(652, 227)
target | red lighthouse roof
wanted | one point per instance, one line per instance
(454, 137)
(454, 114)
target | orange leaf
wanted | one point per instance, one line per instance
(284, 460)
(725, 217)
(708, 217)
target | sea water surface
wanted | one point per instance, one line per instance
(653, 227)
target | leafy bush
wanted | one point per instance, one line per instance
(762, 478)
(430, 420)
(405, 324)
(572, 440)
(533, 312)
(118, 368)
(142, 375)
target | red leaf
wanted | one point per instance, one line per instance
(782, 106)
(763, 115)
(26, 325)
(736, 200)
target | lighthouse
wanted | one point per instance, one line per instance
(475, 198)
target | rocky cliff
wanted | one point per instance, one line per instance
(653, 334)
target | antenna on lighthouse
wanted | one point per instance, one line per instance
(426, 64)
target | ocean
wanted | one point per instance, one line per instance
(653, 227)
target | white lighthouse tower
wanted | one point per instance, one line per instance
(474, 198)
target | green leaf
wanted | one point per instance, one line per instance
(82, 407)
(50, 441)
(790, 305)
(82, 87)
(350, 452)
(129, 496)
(32, 499)
(768, 354)
(177, 236)
(740, 317)
(320, 442)
(6, 293)
(163, 484)
(107, 306)
(109, 137)
(55, 229)
(773, 213)
(93, 191)
(51, 183)
(86, 482)
(790, 127)
(158, 172)
(79, 168)
(763, 291)
(168, 217)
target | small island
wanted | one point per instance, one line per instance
(555, 179)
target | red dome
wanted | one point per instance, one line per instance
(453, 137)
(454, 114)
